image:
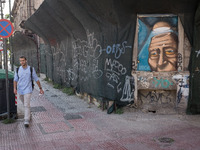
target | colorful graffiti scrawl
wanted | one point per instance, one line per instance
(157, 44)
(164, 83)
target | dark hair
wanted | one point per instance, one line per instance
(23, 57)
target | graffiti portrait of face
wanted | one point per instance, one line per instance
(163, 52)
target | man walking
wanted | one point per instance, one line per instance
(23, 86)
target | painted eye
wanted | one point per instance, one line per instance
(154, 54)
(169, 52)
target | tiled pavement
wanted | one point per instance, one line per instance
(53, 128)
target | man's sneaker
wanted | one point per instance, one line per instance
(26, 123)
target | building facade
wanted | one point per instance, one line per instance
(22, 10)
(25, 42)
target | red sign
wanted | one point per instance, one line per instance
(6, 28)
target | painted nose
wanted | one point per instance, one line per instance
(161, 58)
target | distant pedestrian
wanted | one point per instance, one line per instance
(23, 86)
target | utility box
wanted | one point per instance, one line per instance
(3, 101)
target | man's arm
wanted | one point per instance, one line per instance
(15, 87)
(39, 85)
(35, 77)
(16, 78)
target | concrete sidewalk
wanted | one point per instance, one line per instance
(61, 122)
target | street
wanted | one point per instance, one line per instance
(62, 122)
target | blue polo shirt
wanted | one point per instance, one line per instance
(24, 83)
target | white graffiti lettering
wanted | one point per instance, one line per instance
(114, 66)
(119, 88)
(116, 49)
(127, 93)
(198, 52)
(111, 85)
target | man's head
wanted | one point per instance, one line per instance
(23, 61)
(163, 50)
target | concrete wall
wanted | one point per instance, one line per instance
(25, 46)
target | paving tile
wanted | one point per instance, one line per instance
(55, 136)
(89, 115)
(81, 124)
(45, 145)
(68, 147)
(23, 147)
(120, 133)
(111, 145)
(4, 148)
(82, 139)
(53, 127)
(89, 146)
(62, 142)
(126, 140)
(97, 135)
(138, 146)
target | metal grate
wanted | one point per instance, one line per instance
(53, 127)
(38, 109)
(72, 116)
(166, 140)
(54, 95)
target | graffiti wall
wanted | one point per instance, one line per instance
(42, 48)
(92, 67)
(90, 44)
(159, 101)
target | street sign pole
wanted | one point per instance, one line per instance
(6, 69)
(1, 60)
(6, 30)
(1, 50)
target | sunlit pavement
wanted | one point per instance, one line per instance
(77, 125)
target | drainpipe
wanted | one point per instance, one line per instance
(10, 39)
(29, 8)
(36, 40)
